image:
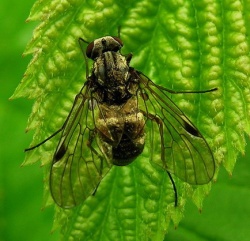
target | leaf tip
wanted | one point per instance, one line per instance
(42, 208)
(42, 165)
(22, 165)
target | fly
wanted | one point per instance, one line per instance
(107, 125)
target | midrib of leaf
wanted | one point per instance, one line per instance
(54, 86)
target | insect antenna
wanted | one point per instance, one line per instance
(81, 41)
(39, 144)
(119, 31)
(175, 189)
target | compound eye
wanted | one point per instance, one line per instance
(118, 40)
(89, 50)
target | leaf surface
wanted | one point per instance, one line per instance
(182, 45)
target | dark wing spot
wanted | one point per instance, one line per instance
(60, 153)
(144, 95)
(190, 129)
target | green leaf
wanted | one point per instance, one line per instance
(182, 45)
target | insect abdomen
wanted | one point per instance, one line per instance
(122, 133)
(132, 141)
(127, 150)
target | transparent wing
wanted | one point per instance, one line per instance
(175, 143)
(79, 163)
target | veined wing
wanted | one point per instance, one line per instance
(79, 163)
(175, 143)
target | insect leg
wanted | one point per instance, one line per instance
(175, 190)
(160, 126)
(39, 144)
(89, 145)
(80, 40)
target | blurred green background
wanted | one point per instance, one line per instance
(21, 188)
(226, 212)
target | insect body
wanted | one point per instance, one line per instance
(120, 124)
(108, 123)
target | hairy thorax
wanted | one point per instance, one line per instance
(111, 73)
